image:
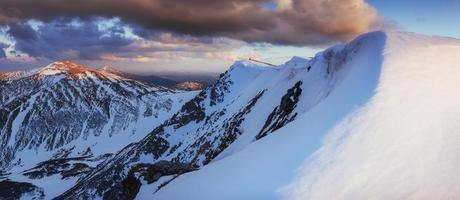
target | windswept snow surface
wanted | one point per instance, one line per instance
(388, 130)
(405, 143)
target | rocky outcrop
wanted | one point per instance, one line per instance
(68, 167)
(284, 113)
(10, 190)
(129, 186)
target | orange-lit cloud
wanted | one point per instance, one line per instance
(295, 22)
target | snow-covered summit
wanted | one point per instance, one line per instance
(296, 61)
(76, 70)
(249, 64)
(68, 69)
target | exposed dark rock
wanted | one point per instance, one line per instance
(154, 145)
(228, 133)
(152, 172)
(126, 190)
(10, 190)
(129, 186)
(231, 130)
(3, 175)
(190, 111)
(67, 167)
(282, 114)
(218, 90)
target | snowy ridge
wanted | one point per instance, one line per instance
(249, 102)
(68, 68)
(390, 127)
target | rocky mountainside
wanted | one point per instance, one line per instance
(65, 117)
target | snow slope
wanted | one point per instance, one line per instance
(387, 131)
(405, 143)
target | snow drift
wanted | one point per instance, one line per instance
(388, 130)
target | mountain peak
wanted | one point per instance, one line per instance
(68, 67)
(249, 65)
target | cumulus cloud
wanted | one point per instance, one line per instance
(295, 22)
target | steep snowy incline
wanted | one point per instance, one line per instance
(391, 129)
(248, 103)
(405, 143)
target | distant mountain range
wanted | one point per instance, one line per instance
(179, 82)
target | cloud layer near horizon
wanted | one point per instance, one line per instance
(292, 22)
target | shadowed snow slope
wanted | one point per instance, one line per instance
(388, 130)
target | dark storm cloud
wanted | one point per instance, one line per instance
(2, 50)
(296, 22)
(22, 32)
(102, 39)
(64, 39)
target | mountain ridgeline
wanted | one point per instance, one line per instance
(64, 109)
(247, 103)
(99, 134)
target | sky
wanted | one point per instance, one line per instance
(158, 36)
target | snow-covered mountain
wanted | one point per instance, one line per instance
(374, 118)
(147, 79)
(62, 119)
(387, 130)
(248, 103)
